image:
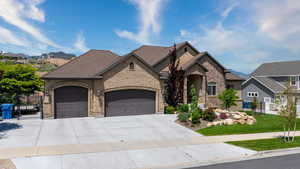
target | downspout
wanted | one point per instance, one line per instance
(42, 101)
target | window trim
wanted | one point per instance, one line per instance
(267, 99)
(214, 85)
(252, 94)
(295, 80)
(131, 66)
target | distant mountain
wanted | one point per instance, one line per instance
(58, 55)
(14, 55)
(243, 75)
(62, 55)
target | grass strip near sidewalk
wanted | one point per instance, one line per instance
(266, 144)
(265, 123)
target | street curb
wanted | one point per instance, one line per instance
(258, 155)
(279, 152)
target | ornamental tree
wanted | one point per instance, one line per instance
(174, 84)
(228, 98)
(289, 113)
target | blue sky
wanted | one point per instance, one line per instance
(241, 34)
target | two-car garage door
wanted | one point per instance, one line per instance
(129, 102)
(72, 101)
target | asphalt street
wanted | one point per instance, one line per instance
(279, 162)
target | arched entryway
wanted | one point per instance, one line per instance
(71, 101)
(129, 102)
(196, 81)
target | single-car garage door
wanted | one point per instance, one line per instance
(129, 102)
(71, 101)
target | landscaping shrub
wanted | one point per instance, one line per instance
(195, 116)
(209, 115)
(183, 117)
(170, 110)
(223, 116)
(183, 108)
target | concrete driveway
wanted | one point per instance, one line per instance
(93, 130)
(149, 141)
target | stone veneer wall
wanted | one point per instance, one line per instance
(214, 74)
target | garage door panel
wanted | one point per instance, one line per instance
(71, 102)
(129, 102)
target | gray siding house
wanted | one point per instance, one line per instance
(269, 80)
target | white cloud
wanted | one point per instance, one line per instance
(228, 10)
(149, 20)
(7, 37)
(16, 12)
(269, 32)
(80, 43)
(279, 20)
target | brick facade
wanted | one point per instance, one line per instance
(120, 77)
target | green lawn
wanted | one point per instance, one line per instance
(266, 144)
(265, 123)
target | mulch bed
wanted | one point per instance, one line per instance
(192, 126)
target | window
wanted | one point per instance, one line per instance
(185, 50)
(293, 80)
(230, 86)
(252, 94)
(267, 99)
(212, 89)
(131, 66)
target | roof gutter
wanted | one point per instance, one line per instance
(62, 78)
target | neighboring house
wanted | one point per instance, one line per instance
(101, 83)
(269, 80)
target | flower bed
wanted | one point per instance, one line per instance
(229, 118)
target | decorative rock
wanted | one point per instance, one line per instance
(209, 124)
(236, 116)
(233, 118)
(229, 122)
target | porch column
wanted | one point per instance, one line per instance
(204, 82)
(185, 90)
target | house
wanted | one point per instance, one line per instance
(101, 83)
(269, 80)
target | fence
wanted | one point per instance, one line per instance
(260, 106)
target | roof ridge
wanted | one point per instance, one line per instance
(67, 63)
(280, 62)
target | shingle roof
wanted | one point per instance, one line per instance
(278, 68)
(154, 54)
(271, 84)
(232, 76)
(85, 66)
(193, 61)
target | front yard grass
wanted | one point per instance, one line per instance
(266, 144)
(265, 123)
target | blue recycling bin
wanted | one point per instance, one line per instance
(7, 111)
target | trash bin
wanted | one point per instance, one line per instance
(7, 111)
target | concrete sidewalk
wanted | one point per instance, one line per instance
(164, 157)
(7, 153)
(238, 137)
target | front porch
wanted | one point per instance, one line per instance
(198, 81)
